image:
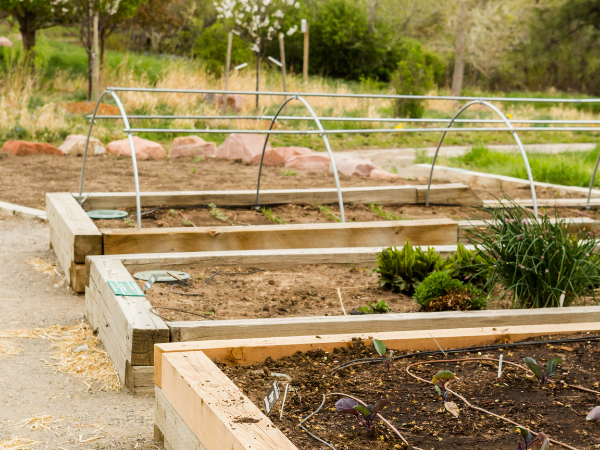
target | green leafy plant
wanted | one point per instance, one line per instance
(129, 222)
(173, 212)
(216, 212)
(439, 285)
(441, 381)
(386, 355)
(198, 159)
(537, 261)
(405, 269)
(327, 211)
(366, 415)
(378, 209)
(543, 375)
(528, 441)
(269, 214)
(381, 307)
(187, 223)
(467, 266)
(288, 173)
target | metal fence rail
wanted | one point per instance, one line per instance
(289, 96)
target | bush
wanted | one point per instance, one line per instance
(467, 266)
(414, 76)
(211, 47)
(440, 292)
(537, 261)
(405, 269)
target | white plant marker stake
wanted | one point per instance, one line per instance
(283, 402)
(438, 345)
(341, 301)
(500, 366)
(562, 299)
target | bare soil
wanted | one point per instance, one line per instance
(300, 291)
(416, 410)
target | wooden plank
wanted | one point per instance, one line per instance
(72, 236)
(139, 379)
(267, 259)
(211, 405)
(376, 323)
(547, 203)
(250, 351)
(10, 209)
(448, 194)
(173, 428)
(135, 328)
(354, 234)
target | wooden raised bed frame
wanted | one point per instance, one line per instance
(129, 330)
(197, 405)
(75, 236)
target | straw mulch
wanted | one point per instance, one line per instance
(7, 349)
(17, 443)
(39, 423)
(92, 365)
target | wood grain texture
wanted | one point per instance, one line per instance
(448, 194)
(174, 432)
(376, 323)
(11, 209)
(326, 235)
(139, 379)
(548, 203)
(211, 405)
(250, 351)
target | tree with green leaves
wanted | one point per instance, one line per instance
(34, 15)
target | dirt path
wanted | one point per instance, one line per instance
(29, 385)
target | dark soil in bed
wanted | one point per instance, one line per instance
(300, 291)
(416, 410)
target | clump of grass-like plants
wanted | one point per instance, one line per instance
(537, 261)
(269, 214)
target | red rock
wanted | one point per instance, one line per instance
(382, 174)
(247, 147)
(22, 148)
(75, 145)
(353, 166)
(278, 156)
(314, 162)
(144, 148)
(192, 146)
(233, 101)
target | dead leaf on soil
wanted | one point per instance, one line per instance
(452, 408)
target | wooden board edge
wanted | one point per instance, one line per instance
(248, 351)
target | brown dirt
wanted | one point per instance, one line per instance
(557, 410)
(298, 291)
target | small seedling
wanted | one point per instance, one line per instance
(327, 211)
(440, 381)
(381, 307)
(269, 214)
(528, 441)
(193, 170)
(129, 222)
(378, 209)
(172, 211)
(365, 415)
(198, 159)
(288, 173)
(217, 212)
(541, 375)
(386, 355)
(187, 223)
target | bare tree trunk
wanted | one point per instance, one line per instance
(28, 32)
(103, 38)
(459, 59)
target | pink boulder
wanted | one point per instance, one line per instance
(233, 101)
(314, 162)
(278, 156)
(192, 146)
(22, 148)
(5, 42)
(75, 145)
(382, 174)
(144, 149)
(353, 166)
(247, 147)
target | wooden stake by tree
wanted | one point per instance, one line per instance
(306, 44)
(283, 70)
(459, 58)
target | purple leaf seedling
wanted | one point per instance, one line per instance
(386, 355)
(440, 381)
(365, 414)
(528, 441)
(540, 374)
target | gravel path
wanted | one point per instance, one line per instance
(29, 385)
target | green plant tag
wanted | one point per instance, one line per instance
(126, 288)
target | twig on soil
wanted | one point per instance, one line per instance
(477, 408)
(438, 344)
(341, 301)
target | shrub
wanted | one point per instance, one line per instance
(440, 292)
(405, 269)
(467, 266)
(537, 261)
(212, 48)
(413, 76)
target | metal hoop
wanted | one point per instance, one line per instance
(515, 135)
(131, 146)
(327, 146)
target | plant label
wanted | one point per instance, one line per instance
(126, 288)
(272, 397)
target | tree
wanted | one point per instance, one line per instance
(32, 16)
(256, 22)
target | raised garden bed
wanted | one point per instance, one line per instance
(209, 394)
(129, 328)
(74, 235)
